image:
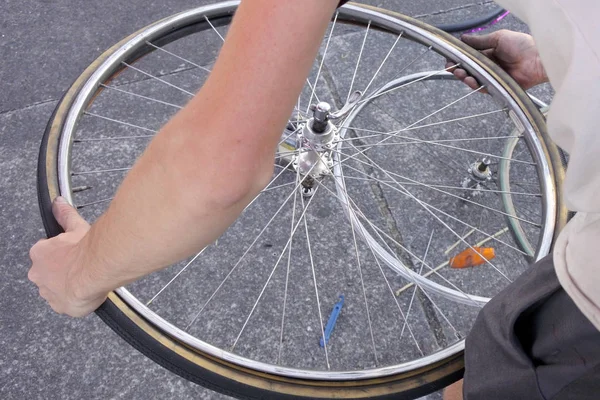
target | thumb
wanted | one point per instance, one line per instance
(481, 42)
(66, 215)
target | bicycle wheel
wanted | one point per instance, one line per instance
(403, 184)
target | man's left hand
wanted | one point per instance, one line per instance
(58, 265)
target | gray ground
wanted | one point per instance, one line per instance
(44, 46)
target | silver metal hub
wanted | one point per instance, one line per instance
(309, 146)
(314, 145)
(479, 173)
(315, 150)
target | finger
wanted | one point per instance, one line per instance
(473, 84)
(450, 66)
(66, 215)
(481, 42)
(461, 74)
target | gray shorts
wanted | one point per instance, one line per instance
(532, 342)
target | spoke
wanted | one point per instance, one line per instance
(421, 203)
(497, 133)
(322, 62)
(118, 121)
(449, 162)
(214, 29)
(438, 210)
(287, 274)
(277, 187)
(175, 277)
(378, 133)
(438, 141)
(247, 249)
(380, 232)
(289, 136)
(389, 53)
(157, 78)
(458, 336)
(371, 178)
(79, 207)
(272, 273)
(523, 184)
(116, 89)
(312, 91)
(420, 141)
(412, 62)
(404, 317)
(407, 84)
(268, 187)
(314, 276)
(372, 163)
(179, 57)
(100, 171)
(416, 287)
(282, 154)
(113, 138)
(445, 263)
(456, 333)
(364, 292)
(362, 47)
(441, 221)
(390, 238)
(466, 235)
(408, 251)
(423, 119)
(521, 151)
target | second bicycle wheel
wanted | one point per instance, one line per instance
(405, 218)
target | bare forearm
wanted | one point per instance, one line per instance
(214, 156)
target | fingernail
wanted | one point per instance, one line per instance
(60, 200)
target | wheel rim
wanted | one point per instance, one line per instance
(354, 14)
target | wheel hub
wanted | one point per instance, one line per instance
(479, 174)
(309, 146)
(314, 144)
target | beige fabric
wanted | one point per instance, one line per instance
(567, 34)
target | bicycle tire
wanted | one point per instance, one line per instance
(220, 375)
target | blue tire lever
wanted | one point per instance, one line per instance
(335, 313)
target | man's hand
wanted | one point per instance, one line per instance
(513, 51)
(58, 263)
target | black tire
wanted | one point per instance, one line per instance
(220, 375)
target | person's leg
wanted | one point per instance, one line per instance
(454, 391)
(530, 342)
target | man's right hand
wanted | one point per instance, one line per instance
(515, 52)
